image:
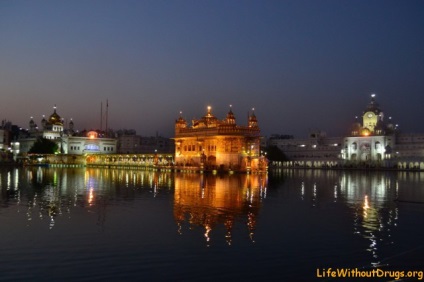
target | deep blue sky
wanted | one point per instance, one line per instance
(302, 65)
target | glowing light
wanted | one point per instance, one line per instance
(366, 206)
(335, 192)
(90, 196)
(208, 230)
(92, 134)
(51, 225)
(366, 203)
(373, 95)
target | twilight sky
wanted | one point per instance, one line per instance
(303, 65)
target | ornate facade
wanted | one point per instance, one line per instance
(213, 144)
(371, 140)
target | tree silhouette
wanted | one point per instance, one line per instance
(43, 146)
(275, 154)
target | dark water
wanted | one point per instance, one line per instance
(123, 225)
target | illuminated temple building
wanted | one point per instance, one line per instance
(67, 139)
(371, 140)
(213, 144)
(374, 140)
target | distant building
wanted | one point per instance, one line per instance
(5, 135)
(157, 144)
(378, 140)
(371, 140)
(66, 138)
(89, 144)
(409, 147)
(317, 147)
(131, 143)
(374, 140)
(210, 143)
(4, 144)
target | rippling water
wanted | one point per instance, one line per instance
(95, 225)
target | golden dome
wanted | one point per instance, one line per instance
(55, 118)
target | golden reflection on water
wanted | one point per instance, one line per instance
(371, 195)
(215, 203)
(209, 201)
(91, 196)
(52, 192)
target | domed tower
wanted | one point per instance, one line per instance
(180, 122)
(55, 121)
(71, 127)
(44, 122)
(32, 125)
(372, 115)
(230, 119)
(253, 122)
(55, 118)
(209, 119)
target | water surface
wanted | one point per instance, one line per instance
(98, 224)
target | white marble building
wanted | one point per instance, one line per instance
(373, 139)
(68, 143)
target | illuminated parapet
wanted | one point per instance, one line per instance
(213, 144)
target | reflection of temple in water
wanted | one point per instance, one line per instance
(51, 193)
(210, 200)
(375, 213)
(373, 199)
